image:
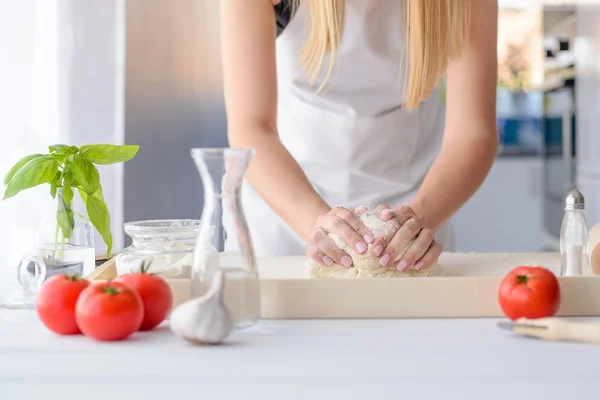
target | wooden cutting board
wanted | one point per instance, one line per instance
(468, 288)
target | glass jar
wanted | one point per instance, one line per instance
(165, 247)
(58, 248)
(223, 220)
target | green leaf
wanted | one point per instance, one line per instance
(68, 179)
(68, 194)
(34, 172)
(9, 175)
(108, 153)
(85, 173)
(64, 217)
(53, 188)
(58, 148)
(63, 149)
(55, 183)
(99, 216)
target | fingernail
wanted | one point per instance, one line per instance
(378, 250)
(386, 214)
(368, 238)
(419, 265)
(346, 261)
(402, 266)
(384, 260)
(327, 260)
(361, 247)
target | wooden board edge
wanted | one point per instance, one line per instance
(106, 271)
(472, 297)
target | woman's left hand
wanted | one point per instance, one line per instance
(422, 252)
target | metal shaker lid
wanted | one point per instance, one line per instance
(574, 200)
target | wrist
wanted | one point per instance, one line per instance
(417, 207)
(308, 218)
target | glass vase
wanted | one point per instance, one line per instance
(222, 172)
(55, 251)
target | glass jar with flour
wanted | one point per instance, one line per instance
(165, 247)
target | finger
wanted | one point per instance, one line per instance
(326, 244)
(416, 250)
(431, 256)
(401, 240)
(359, 235)
(360, 210)
(384, 212)
(313, 252)
(403, 214)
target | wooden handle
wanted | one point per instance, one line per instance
(560, 330)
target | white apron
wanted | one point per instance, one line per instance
(354, 141)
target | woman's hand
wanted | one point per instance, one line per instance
(350, 229)
(422, 252)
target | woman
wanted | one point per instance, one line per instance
(341, 104)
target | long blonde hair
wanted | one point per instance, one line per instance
(436, 32)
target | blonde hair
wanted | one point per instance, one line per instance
(436, 32)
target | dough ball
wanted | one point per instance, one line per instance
(367, 265)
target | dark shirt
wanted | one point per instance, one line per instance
(283, 15)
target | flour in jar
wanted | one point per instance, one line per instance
(174, 262)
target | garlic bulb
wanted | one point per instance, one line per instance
(206, 319)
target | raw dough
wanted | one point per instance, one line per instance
(367, 265)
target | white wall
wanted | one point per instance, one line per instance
(17, 135)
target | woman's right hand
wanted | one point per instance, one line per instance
(350, 229)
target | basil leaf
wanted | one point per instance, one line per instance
(61, 158)
(9, 175)
(63, 149)
(68, 179)
(55, 183)
(99, 216)
(68, 195)
(108, 153)
(58, 148)
(36, 171)
(64, 217)
(85, 173)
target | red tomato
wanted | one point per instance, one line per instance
(529, 292)
(55, 303)
(156, 295)
(109, 311)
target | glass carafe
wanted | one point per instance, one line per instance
(223, 220)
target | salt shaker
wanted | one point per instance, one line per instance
(574, 237)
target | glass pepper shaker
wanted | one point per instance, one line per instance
(574, 237)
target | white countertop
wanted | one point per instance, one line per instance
(332, 359)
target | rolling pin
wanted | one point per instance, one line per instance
(555, 329)
(594, 248)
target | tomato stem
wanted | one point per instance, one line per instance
(111, 290)
(72, 278)
(522, 279)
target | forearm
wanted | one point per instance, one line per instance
(459, 170)
(280, 181)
